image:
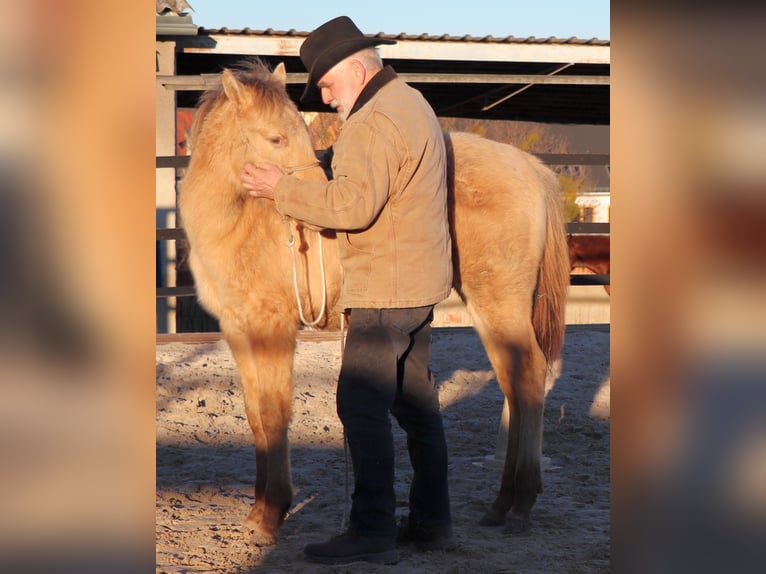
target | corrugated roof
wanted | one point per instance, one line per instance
(292, 32)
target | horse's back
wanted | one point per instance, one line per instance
(478, 156)
(499, 215)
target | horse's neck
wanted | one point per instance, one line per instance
(216, 209)
(217, 212)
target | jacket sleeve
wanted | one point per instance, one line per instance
(364, 166)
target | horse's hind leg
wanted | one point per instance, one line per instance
(265, 367)
(520, 368)
(525, 472)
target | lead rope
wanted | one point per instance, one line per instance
(347, 497)
(291, 245)
(292, 170)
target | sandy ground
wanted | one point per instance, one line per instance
(206, 463)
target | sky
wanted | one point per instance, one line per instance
(582, 19)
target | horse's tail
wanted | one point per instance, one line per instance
(553, 279)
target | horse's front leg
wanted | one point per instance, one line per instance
(264, 361)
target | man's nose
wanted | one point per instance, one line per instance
(326, 96)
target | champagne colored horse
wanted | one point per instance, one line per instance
(591, 252)
(510, 262)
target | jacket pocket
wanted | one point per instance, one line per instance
(357, 267)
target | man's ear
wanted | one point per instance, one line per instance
(359, 69)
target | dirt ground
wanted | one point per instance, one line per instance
(206, 463)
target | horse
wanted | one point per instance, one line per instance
(591, 252)
(510, 269)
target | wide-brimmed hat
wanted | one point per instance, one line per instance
(332, 42)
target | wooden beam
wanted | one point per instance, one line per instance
(215, 336)
(575, 279)
(286, 44)
(587, 228)
(186, 291)
(174, 161)
(170, 234)
(178, 161)
(205, 81)
(574, 158)
(588, 279)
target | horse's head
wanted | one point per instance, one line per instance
(250, 117)
(268, 123)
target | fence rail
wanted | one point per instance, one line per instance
(179, 161)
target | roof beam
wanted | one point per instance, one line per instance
(424, 49)
(205, 81)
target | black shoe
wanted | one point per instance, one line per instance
(426, 538)
(349, 547)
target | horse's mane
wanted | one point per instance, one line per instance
(252, 72)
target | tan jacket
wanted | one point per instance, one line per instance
(387, 199)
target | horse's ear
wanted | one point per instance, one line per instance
(231, 86)
(280, 73)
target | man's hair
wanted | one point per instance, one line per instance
(370, 58)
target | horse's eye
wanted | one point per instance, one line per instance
(277, 140)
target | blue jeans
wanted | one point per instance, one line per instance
(385, 369)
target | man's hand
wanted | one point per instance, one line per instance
(260, 179)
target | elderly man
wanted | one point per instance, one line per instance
(387, 200)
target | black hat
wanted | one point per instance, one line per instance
(332, 42)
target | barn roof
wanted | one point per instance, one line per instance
(550, 80)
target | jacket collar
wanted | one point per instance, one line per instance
(373, 87)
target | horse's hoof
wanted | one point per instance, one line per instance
(491, 518)
(517, 526)
(260, 539)
(256, 534)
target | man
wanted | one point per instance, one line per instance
(388, 201)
